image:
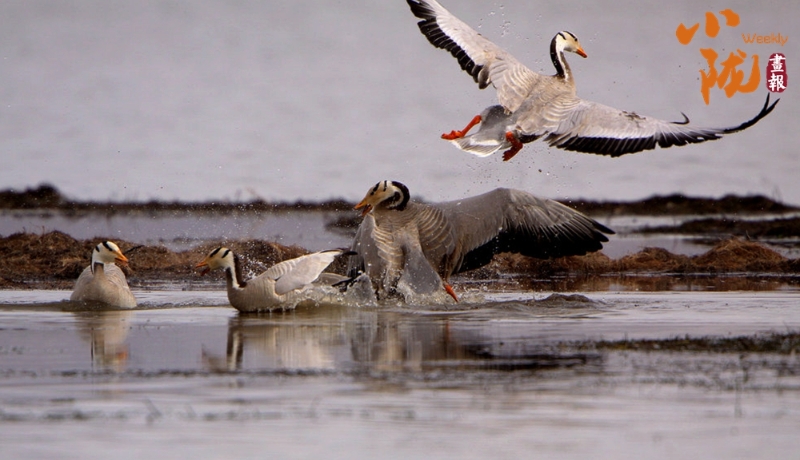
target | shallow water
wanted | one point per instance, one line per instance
(497, 378)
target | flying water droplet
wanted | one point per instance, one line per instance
(506, 28)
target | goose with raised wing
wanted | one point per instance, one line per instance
(534, 106)
(103, 281)
(406, 245)
(281, 286)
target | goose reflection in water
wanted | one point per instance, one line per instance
(107, 332)
(321, 340)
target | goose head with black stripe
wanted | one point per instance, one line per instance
(107, 253)
(385, 195)
(224, 259)
(280, 286)
(564, 41)
(103, 281)
(402, 242)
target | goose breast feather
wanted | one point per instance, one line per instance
(108, 285)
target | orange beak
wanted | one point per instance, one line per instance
(202, 264)
(580, 52)
(367, 207)
(121, 259)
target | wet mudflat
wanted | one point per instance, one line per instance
(599, 374)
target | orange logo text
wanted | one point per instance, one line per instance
(728, 77)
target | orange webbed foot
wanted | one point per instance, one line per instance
(450, 291)
(516, 146)
(459, 134)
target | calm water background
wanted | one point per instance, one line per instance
(233, 100)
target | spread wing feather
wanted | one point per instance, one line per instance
(506, 220)
(590, 127)
(486, 62)
(295, 273)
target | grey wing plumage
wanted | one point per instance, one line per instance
(330, 279)
(486, 62)
(590, 127)
(296, 273)
(116, 276)
(436, 235)
(81, 284)
(506, 220)
(417, 273)
(365, 247)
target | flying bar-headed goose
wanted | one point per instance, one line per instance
(277, 287)
(421, 245)
(102, 280)
(534, 105)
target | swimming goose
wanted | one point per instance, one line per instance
(278, 287)
(103, 281)
(534, 105)
(401, 242)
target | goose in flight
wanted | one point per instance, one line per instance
(534, 106)
(102, 281)
(281, 286)
(402, 242)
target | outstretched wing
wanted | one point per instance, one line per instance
(295, 273)
(589, 127)
(486, 62)
(506, 220)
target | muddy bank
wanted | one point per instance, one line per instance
(48, 197)
(54, 260)
(677, 204)
(773, 228)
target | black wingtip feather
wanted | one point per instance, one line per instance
(763, 113)
(684, 122)
(439, 39)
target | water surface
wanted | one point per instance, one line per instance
(496, 378)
